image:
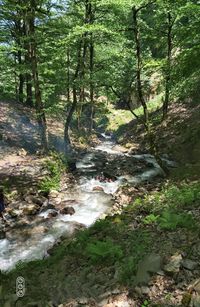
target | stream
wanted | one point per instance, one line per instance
(91, 197)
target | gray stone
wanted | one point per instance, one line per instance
(174, 264)
(189, 264)
(67, 210)
(150, 264)
(195, 302)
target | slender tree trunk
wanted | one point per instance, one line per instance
(68, 75)
(168, 68)
(82, 76)
(16, 77)
(29, 92)
(34, 65)
(72, 108)
(18, 35)
(139, 68)
(27, 58)
(91, 48)
(21, 79)
(146, 122)
(67, 140)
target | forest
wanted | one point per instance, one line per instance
(99, 153)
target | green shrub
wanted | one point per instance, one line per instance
(104, 251)
(54, 168)
(170, 220)
(150, 219)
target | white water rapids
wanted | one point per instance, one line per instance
(89, 205)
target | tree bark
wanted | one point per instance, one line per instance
(21, 79)
(168, 68)
(41, 118)
(67, 141)
(139, 66)
(146, 122)
(91, 49)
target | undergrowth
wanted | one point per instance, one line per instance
(55, 165)
(171, 207)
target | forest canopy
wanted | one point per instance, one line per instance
(70, 57)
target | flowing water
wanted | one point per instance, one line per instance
(34, 241)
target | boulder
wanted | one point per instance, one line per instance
(72, 165)
(53, 194)
(39, 229)
(31, 209)
(13, 213)
(67, 210)
(149, 265)
(47, 206)
(174, 264)
(52, 214)
(2, 235)
(39, 200)
(189, 264)
(98, 188)
(22, 152)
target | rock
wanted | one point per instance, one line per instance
(22, 152)
(195, 301)
(142, 290)
(2, 234)
(55, 201)
(52, 214)
(72, 165)
(67, 210)
(13, 213)
(31, 209)
(145, 290)
(150, 264)
(47, 206)
(28, 199)
(174, 265)
(39, 200)
(195, 286)
(189, 264)
(53, 194)
(97, 188)
(39, 229)
(196, 249)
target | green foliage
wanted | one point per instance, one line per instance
(138, 245)
(55, 167)
(145, 303)
(150, 219)
(170, 220)
(104, 251)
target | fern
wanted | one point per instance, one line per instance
(170, 220)
(101, 251)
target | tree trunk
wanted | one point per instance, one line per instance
(72, 108)
(150, 136)
(67, 140)
(68, 75)
(34, 65)
(91, 48)
(82, 76)
(29, 93)
(168, 68)
(21, 79)
(139, 68)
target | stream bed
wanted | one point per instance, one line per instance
(91, 197)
